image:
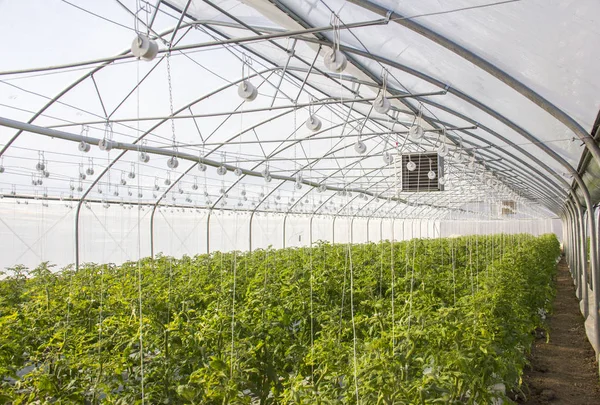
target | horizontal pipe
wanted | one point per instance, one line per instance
(253, 38)
(250, 110)
(249, 142)
(53, 133)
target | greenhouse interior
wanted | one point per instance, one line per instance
(298, 201)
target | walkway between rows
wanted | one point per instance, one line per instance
(563, 371)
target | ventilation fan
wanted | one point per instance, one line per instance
(417, 172)
(508, 207)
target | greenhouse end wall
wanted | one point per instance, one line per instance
(34, 232)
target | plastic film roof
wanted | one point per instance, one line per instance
(71, 70)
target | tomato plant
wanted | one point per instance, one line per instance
(419, 321)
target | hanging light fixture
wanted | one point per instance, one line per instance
(202, 167)
(221, 170)
(172, 162)
(84, 146)
(387, 158)
(299, 181)
(237, 172)
(144, 157)
(90, 170)
(360, 147)
(144, 48)
(416, 132)
(105, 144)
(472, 162)
(443, 149)
(431, 173)
(381, 104)
(247, 91)
(313, 123)
(335, 60)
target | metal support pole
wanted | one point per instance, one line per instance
(333, 231)
(250, 231)
(283, 233)
(152, 232)
(571, 252)
(582, 258)
(208, 232)
(77, 211)
(310, 230)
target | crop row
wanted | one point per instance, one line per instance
(420, 321)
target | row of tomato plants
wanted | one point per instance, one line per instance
(419, 321)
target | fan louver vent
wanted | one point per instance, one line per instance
(508, 207)
(418, 180)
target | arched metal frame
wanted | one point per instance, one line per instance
(555, 194)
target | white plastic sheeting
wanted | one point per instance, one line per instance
(70, 68)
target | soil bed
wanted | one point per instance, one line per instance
(563, 371)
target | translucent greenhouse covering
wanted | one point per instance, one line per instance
(131, 129)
